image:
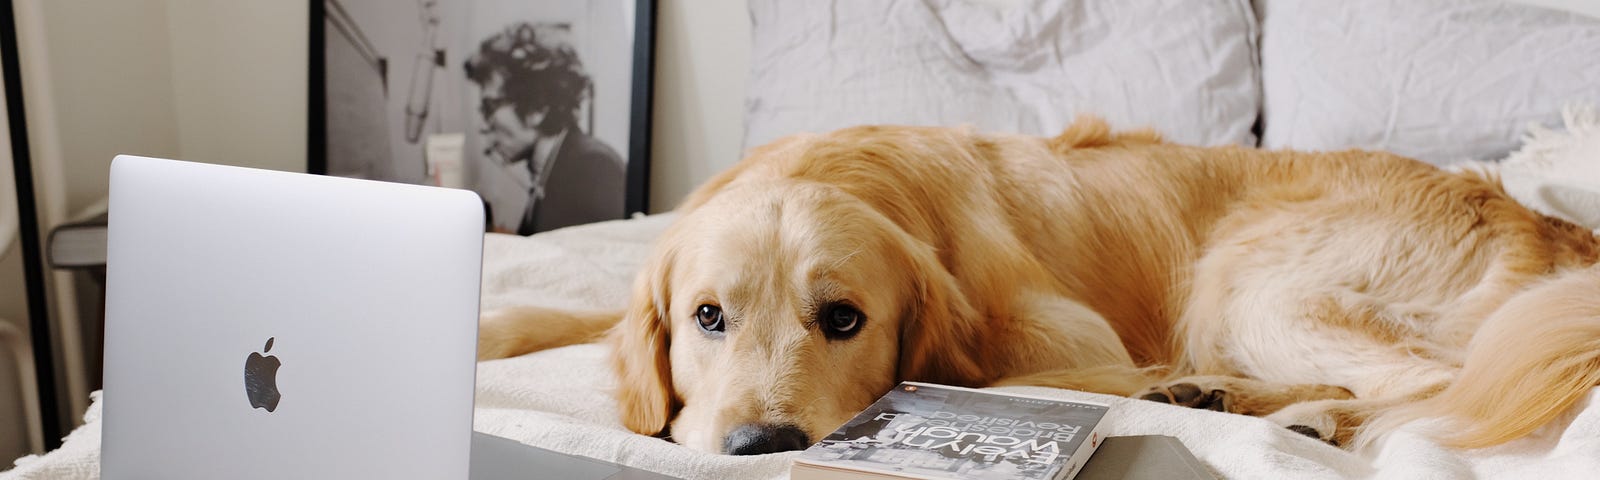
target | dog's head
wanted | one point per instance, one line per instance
(774, 311)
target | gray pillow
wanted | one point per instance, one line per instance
(1440, 80)
(1186, 67)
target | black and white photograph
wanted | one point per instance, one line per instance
(539, 107)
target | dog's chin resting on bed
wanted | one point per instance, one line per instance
(1338, 294)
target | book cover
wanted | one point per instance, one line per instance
(1144, 456)
(930, 431)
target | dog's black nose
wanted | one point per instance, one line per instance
(759, 438)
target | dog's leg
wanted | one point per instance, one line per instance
(1301, 312)
(1074, 348)
(1338, 421)
(1335, 358)
(1324, 412)
(513, 331)
(1116, 380)
(1243, 396)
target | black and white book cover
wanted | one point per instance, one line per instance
(930, 431)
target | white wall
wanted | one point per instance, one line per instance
(702, 62)
(225, 82)
(112, 81)
(239, 77)
(208, 80)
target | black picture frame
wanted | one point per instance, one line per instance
(636, 180)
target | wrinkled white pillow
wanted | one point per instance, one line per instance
(1439, 80)
(1186, 67)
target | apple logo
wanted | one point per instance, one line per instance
(261, 379)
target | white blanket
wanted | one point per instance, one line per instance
(560, 399)
(1557, 172)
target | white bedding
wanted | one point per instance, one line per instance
(1440, 80)
(1186, 67)
(559, 399)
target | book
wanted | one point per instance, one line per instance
(1144, 456)
(926, 431)
(78, 244)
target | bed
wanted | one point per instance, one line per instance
(559, 399)
(1432, 79)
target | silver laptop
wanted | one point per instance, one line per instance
(275, 325)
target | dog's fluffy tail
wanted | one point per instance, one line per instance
(1529, 361)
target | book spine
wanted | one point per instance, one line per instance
(804, 472)
(1085, 449)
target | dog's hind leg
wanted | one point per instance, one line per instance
(1329, 326)
(1243, 396)
(1119, 380)
(513, 331)
(1337, 422)
(1324, 412)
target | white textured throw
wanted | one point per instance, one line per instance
(1557, 172)
(560, 399)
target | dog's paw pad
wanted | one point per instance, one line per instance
(1156, 397)
(1310, 432)
(1186, 394)
(1304, 430)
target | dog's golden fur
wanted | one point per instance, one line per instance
(1323, 291)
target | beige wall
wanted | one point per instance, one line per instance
(209, 80)
(702, 62)
(225, 82)
(239, 77)
(239, 71)
(112, 82)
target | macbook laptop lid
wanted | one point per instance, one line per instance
(274, 325)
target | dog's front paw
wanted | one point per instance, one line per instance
(513, 331)
(499, 335)
(1188, 394)
(1239, 395)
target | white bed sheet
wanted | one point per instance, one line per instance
(559, 399)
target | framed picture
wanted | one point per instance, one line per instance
(542, 108)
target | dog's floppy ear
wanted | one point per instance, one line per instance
(639, 353)
(939, 336)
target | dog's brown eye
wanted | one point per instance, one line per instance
(710, 318)
(841, 321)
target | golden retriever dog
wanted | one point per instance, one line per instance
(1338, 294)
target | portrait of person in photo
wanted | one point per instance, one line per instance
(533, 97)
(541, 108)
